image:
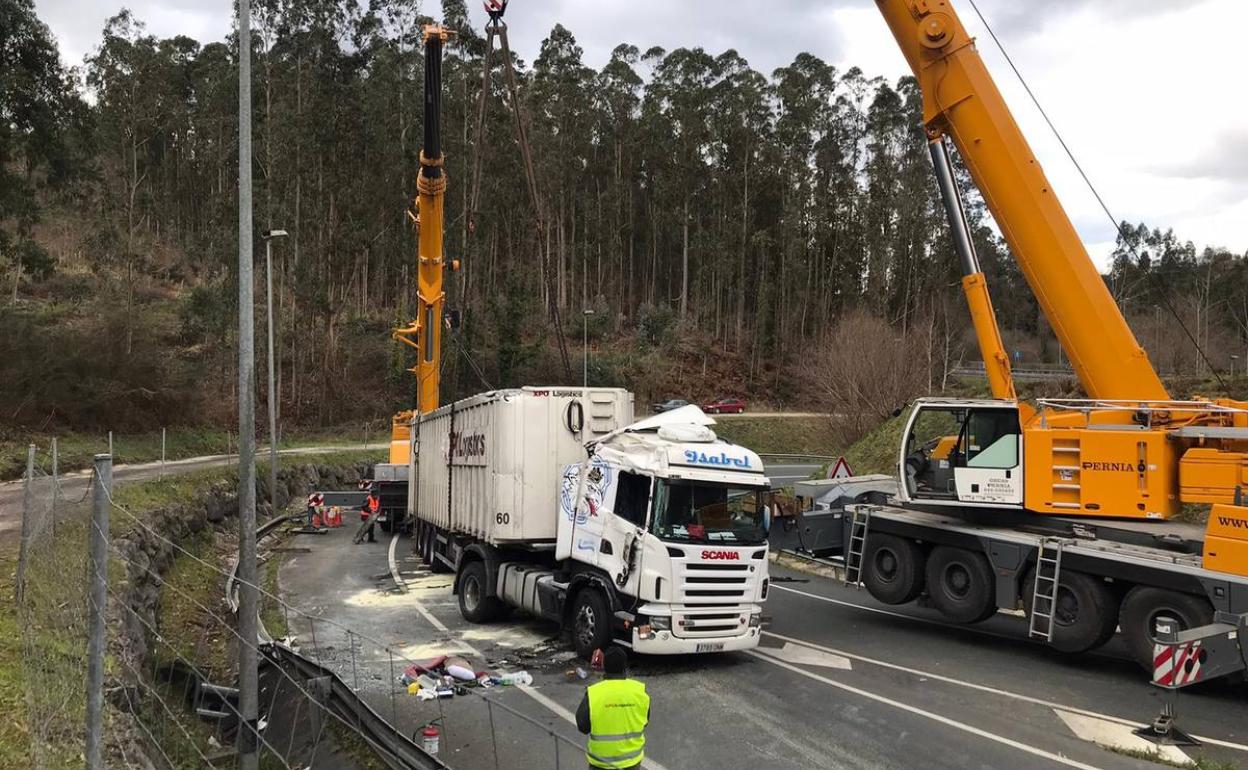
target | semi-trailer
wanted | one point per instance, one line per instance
(649, 534)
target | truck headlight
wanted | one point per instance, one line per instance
(661, 623)
(756, 619)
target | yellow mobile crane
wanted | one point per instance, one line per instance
(424, 333)
(1060, 503)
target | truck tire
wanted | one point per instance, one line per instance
(422, 543)
(1144, 606)
(590, 622)
(892, 568)
(474, 603)
(960, 584)
(1086, 615)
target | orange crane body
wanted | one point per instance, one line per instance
(1128, 451)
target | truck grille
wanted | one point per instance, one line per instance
(715, 583)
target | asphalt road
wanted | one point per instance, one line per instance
(840, 681)
(74, 485)
(785, 474)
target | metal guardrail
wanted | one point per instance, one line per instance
(817, 458)
(333, 694)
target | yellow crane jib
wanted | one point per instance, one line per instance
(961, 101)
(424, 333)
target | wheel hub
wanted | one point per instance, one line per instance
(886, 565)
(957, 581)
(585, 622)
(472, 594)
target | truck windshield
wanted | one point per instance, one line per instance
(694, 512)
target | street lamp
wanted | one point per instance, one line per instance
(269, 236)
(585, 314)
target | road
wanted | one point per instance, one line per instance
(74, 484)
(840, 681)
(784, 474)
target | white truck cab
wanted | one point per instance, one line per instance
(677, 520)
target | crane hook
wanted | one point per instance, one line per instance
(496, 9)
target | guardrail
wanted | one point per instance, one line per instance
(331, 692)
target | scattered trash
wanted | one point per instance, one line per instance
(521, 678)
(413, 688)
(424, 694)
(576, 673)
(460, 669)
(595, 660)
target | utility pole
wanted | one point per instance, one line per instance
(585, 314)
(248, 673)
(98, 594)
(269, 236)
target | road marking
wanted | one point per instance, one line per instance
(1113, 735)
(544, 700)
(988, 689)
(1039, 752)
(399, 582)
(801, 655)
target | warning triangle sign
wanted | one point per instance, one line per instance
(840, 469)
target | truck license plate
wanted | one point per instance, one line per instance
(710, 647)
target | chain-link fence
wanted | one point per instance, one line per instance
(170, 676)
(51, 599)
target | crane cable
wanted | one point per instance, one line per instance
(1095, 193)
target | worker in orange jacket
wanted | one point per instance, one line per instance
(368, 515)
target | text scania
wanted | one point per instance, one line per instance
(1128, 467)
(723, 459)
(720, 556)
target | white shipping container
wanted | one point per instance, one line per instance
(490, 466)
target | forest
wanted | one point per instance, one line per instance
(727, 227)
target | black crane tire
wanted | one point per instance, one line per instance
(1086, 615)
(960, 584)
(1144, 606)
(892, 568)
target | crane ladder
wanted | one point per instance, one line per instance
(1044, 591)
(858, 527)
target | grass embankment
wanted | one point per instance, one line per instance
(42, 665)
(76, 450)
(876, 452)
(782, 434)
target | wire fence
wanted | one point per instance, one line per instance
(172, 644)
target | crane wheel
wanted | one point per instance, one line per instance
(1086, 615)
(892, 568)
(961, 585)
(1144, 607)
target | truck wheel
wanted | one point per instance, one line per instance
(1145, 607)
(892, 568)
(591, 629)
(1086, 615)
(474, 603)
(960, 584)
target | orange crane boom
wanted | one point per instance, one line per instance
(961, 101)
(425, 332)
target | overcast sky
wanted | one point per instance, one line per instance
(1148, 93)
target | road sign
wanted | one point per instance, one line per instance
(839, 469)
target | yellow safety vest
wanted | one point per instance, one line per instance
(618, 712)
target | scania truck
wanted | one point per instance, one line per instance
(651, 535)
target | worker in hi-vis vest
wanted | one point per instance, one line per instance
(614, 713)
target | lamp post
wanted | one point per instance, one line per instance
(585, 314)
(269, 236)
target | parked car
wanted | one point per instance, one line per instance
(669, 405)
(725, 406)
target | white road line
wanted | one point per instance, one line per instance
(1112, 735)
(399, 582)
(986, 688)
(551, 705)
(926, 714)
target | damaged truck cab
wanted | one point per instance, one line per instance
(651, 535)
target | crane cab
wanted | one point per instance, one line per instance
(963, 452)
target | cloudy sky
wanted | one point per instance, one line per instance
(1148, 93)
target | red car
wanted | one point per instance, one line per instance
(725, 406)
